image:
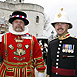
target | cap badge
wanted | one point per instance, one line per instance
(59, 15)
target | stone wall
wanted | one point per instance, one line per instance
(32, 10)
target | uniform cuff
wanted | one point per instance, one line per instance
(41, 74)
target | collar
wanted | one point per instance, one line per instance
(18, 33)
(65, 36)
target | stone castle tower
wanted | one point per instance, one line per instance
(34, 13)
(15, 1)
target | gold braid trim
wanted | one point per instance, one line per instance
(65, 36)
(39, 66)
(1, 66)
(16, 66)
(40, 63)
(38, 58)
(42, 71)
(17, 63)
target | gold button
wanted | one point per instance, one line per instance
(57, 55)
(57, 59)
(60, 45)
(60, 41)
(58, 52)
(58, 48)
(56, 73)
(56, 63)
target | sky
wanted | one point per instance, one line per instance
(51, 7)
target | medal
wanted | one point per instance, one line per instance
(69, 51)
(72, 51)
(68, 48)
(63, 48)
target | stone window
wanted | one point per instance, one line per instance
(19, 0)
(37, 19)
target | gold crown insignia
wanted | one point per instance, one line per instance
(59, 15)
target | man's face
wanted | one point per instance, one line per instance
(61, 28)
(18, 25)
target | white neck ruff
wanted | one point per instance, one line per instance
(18, 33)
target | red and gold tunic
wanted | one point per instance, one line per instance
(21, 54)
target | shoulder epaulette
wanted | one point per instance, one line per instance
(54, 39)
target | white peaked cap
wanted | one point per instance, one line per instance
(61, 17)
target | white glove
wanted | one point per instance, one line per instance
(41, 74)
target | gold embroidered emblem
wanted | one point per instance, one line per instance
(19, 52)
(59, 15)
(16, 40)
(11, 47)
(19, 39)
(61, 9)
(19, 59)
(19, 45)
(26, 46)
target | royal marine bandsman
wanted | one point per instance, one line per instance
(62, 51)
(20, 52)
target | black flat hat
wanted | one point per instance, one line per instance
(19, 15)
